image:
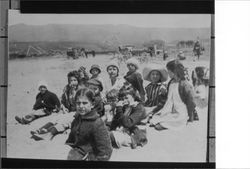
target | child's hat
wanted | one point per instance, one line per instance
(134, 62)
(113, 63)
(96, 83)
(95, 67)
(153, 66)
(42, 83)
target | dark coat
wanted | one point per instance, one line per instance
(90, 134)
(135, 79)
(65, 100)
(48, 101)
(129, 117)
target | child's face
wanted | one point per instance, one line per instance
(73, 82)
(128, 99)
(95, 88)
(112, 71)
(155, 76)
(131, 67)
(95, 71)
(81, 74)
(42, 89)
(83, 105)
(171, 74)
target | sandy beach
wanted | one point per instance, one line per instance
(185, 145)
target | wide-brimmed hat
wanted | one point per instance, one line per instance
(113, 63)
(153, 66)
(96, 82)
(95, 67)
(134, 62)
(42, 83)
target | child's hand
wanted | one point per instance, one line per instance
(120, 103)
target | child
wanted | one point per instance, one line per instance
(110, 105)
(95, 71)
(156, 91)
(134, 77)
(84, 77)
(89, 138)
(180, 105)
(124, 126)
(97, 87)
(46, 103)
(116, 81)
(61, 122)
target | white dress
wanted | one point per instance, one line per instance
(174, 114)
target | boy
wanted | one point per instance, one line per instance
(46, 103)
(97, 87)
(124, 126)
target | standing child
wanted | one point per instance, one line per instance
(135, 77)
(46, 103)
(155, 90)
(61, 122)
(129, 114)
(180, 105)
(89, 138)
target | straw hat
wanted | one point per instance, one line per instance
(153, 66)
(134, 62)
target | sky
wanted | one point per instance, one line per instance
(138, 20)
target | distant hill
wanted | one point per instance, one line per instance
(110, 35)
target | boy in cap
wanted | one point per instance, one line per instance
(97, 88)
(95, 70)
(46, 103)
(135, 77)
(156, 91)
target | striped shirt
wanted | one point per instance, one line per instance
(155, 96)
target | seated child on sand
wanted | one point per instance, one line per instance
(135, 77)
(46, 103)
(89, 137)
(155, 90)
(68, 107)
(124, 126)
(179, 107)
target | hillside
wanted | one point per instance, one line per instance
(111, 35)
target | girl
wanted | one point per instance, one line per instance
(134, 77)
(89, 138)
(61, 122)
(116, 81)
(180, 105)
(156, 91)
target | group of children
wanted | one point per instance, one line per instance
(101, 120)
